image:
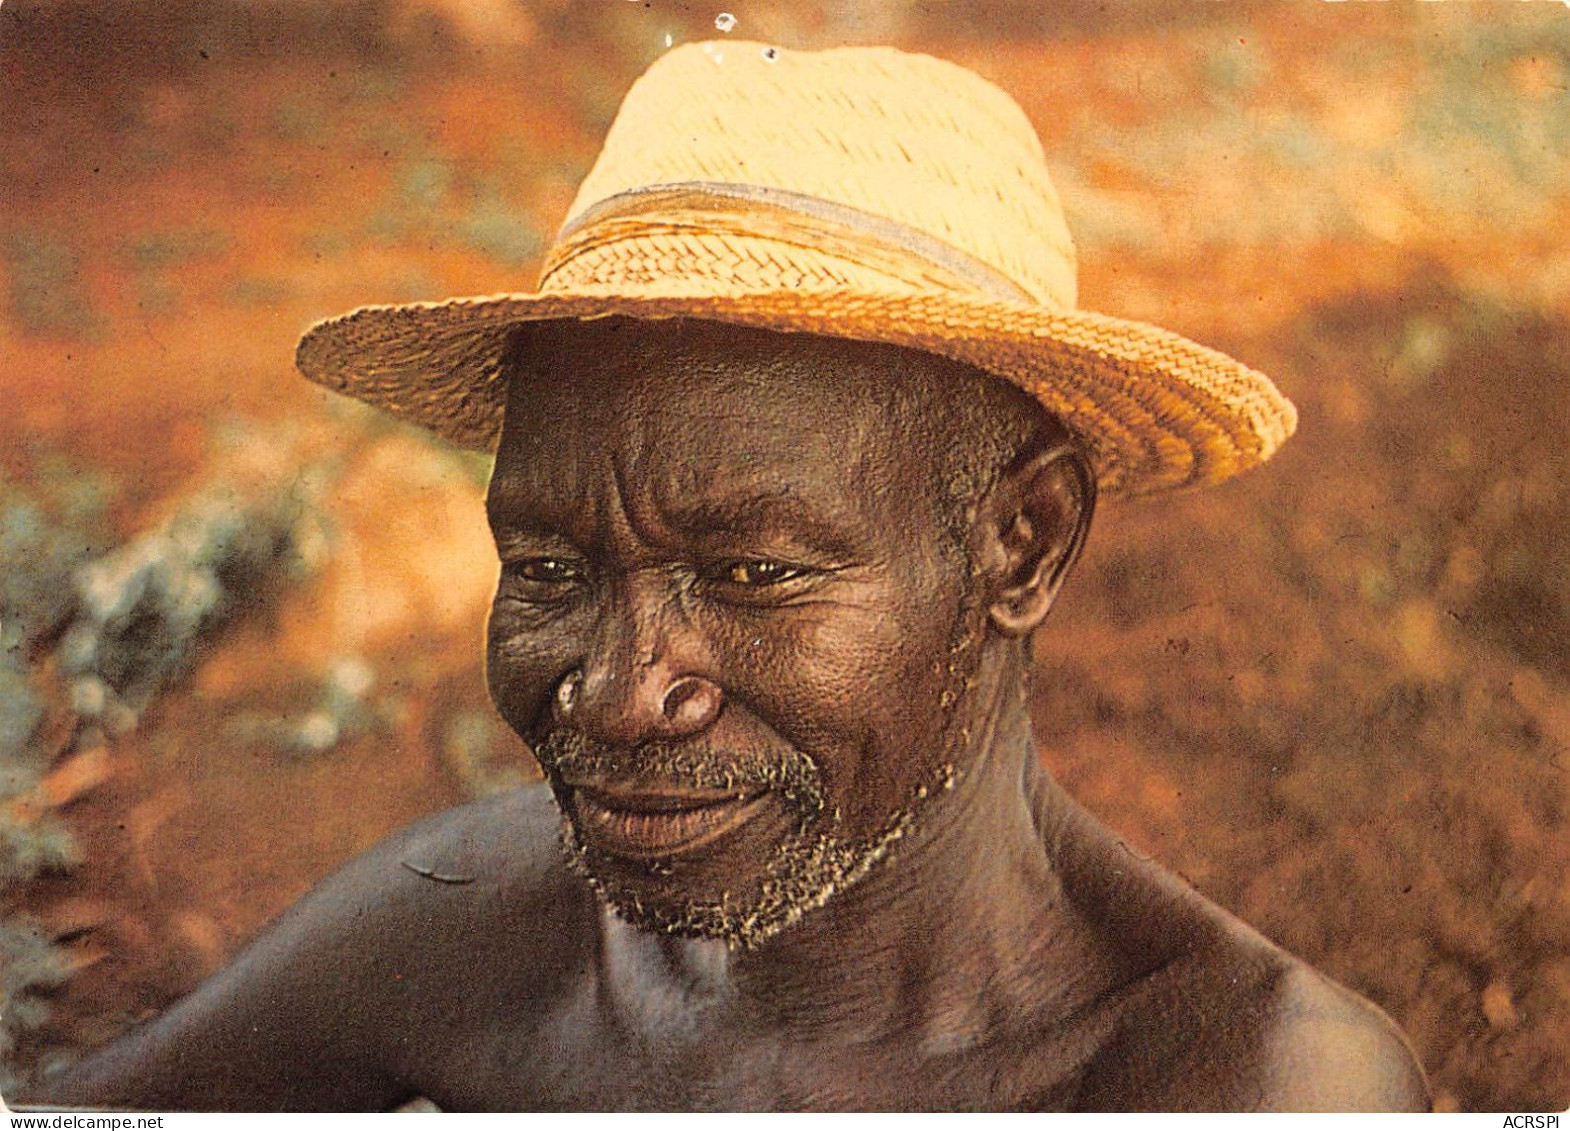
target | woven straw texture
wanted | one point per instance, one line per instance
(860, 193)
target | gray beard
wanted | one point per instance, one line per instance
(807, 868)
(803, 874)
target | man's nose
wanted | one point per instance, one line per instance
(640, 682)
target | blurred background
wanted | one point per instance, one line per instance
(241, 618)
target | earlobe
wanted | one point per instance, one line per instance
(1031, 529)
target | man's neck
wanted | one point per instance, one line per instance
(959, 931)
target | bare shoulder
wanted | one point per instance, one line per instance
(449, 873)
(1206, 1014)
(1236, 1024)
(483, 888)
(1326, 1049)
(510, 842)
(322, 1008)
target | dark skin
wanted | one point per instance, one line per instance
(717, 552)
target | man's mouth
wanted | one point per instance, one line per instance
(651, 824)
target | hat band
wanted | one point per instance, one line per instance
(820, 228)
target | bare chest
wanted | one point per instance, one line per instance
(584, 1055)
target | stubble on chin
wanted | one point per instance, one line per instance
(808, 867)
(804, 872)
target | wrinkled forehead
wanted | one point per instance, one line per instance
(702, 388)
(665, 372)
(681, 408)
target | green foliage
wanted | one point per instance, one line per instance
(143, 609)
(29, 967)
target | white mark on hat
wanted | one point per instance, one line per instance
(725, 21)
(669, 39)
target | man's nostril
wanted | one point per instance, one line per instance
(690, 702)
(678, 696)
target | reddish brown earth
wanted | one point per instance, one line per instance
(1335, 694)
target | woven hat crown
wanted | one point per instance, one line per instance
(859, 193)
(925, 161)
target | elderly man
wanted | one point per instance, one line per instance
(795, 446)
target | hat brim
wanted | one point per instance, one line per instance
(1153, 410)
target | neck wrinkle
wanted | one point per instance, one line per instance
(961, 929)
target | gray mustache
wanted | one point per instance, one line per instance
(565, 753)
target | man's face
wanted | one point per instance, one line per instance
(728, 620)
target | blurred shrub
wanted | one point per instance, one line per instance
(94, 636)
(142, 610)
(29, 967)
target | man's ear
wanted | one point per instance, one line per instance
(1028, 533)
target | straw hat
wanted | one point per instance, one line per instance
(859, 193)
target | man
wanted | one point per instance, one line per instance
(795, 446)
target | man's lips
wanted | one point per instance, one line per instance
(648, 824)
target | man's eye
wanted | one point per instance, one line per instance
(759, 572)
(548, 571)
